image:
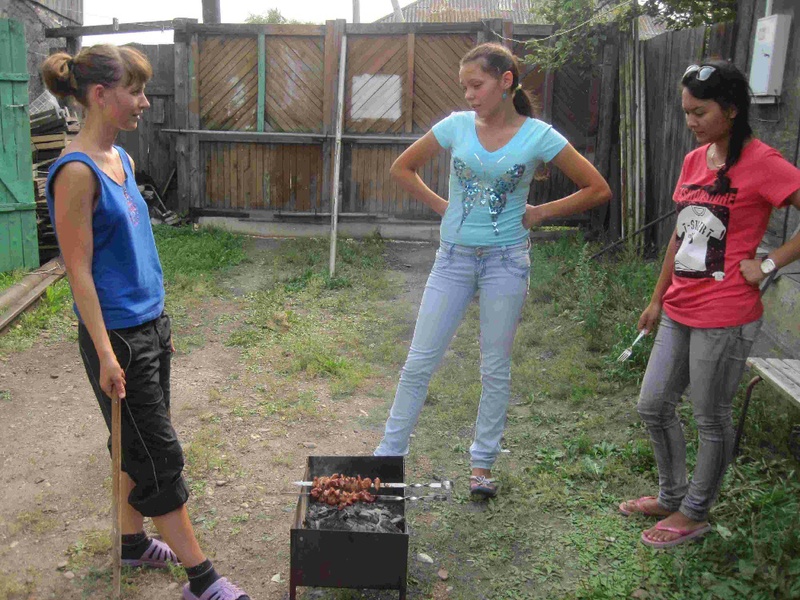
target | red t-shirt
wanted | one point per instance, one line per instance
(715, 233)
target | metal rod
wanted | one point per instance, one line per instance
(436, 484)
(625, 239)
(337, 163)
(378, 498)
(213, 135)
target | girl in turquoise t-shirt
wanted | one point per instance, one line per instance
(484, 240)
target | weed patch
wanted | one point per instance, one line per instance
(11, 587)
(92, 543)
(52, 314)
(576, 448)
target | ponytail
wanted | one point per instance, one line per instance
(523, 102)
(66, 76)
(57, 73)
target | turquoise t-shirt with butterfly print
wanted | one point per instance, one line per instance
(489, 190)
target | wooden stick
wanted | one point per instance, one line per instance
(116, 513)
(337, 160)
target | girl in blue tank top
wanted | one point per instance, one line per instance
(124, 336)
(484, 236)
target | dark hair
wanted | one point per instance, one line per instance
(728, 87)
(497, 59)
(102, 64)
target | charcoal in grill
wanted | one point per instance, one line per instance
(358, 517)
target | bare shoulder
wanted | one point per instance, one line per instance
(75, 179)
(75, 171)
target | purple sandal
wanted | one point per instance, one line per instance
(482, 486)
(221, 589)
(157, 556)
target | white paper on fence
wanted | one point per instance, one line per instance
(377, 97)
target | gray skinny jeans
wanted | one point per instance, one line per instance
(710, 362)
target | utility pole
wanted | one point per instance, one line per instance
(398, 14)
(356, 11)
(211, 12)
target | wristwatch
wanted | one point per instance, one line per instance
(767, 266)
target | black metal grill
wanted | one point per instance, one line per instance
(349, 559)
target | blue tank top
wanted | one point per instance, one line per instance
(125, 266)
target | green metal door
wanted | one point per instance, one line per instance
(19, 246)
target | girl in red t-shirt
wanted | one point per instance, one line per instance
(707, 296)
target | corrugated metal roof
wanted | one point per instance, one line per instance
(463, 11)
(650, 27)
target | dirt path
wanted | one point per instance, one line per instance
(55, 480)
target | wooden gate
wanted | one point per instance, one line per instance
(19, 246)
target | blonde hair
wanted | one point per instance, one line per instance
(66, 76)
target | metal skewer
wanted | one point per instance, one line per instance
(378, 497)
(445, 485)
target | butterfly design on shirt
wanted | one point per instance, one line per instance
(477, 190)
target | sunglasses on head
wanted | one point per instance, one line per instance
(703, 71)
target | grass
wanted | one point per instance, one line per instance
(91, 544)
(51, 316)
(9, 279)
(191, 261)
(34, 522)
(11, 587)
(576, 445)
(300, 321)
(577, 448)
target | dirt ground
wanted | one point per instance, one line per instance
(55, 475)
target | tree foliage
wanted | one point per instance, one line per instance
(679, 14)
(273, 15)
(581, 26)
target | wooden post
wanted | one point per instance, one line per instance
(408, 100)
(262, 80)
(196, 174)
(508, 34)
(337, 161)
(630, 149)
(116, 513)
(641, 135)
(636, 129)
(334, 31)
(604, 132)
(73, 45)
(182, 118)
(211, 12)
(496, 31)
(356, 11)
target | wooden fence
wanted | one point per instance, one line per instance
(152, 149)
(255, 110)
(667, 137)
(775, 124)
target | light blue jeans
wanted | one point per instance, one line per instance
(710, 363)
(500, 275)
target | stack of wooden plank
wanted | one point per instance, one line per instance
(52, 130)
(48, 246)
(52, 141)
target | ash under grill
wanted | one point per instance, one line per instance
(360, 546)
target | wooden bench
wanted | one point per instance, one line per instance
(782, 374)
